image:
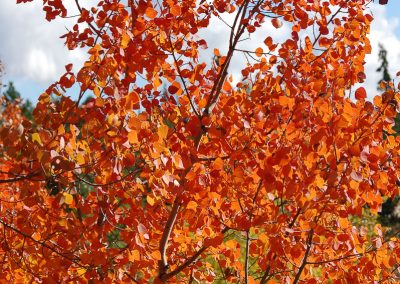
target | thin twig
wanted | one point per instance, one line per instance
(246, 261)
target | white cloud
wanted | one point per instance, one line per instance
(39, 65)
(32, 51)
(31, 48)
(218, 33)
(383, 30)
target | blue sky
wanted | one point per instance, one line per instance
(35, 57)
(394, 9)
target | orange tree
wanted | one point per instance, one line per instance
(174, 173)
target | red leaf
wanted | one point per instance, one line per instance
(68, 67)
(361, 93)
(173, 89)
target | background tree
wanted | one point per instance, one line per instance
(211, 181)
(12, 95)
(389, 215)
(384, 67)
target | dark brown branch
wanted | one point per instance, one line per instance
(43, 244)
(295, 218)
(208, 159)
(131, 277)
(304, 262)
(163, 263)
(19, 178)
(373, 249)
(108, 183)
(266, 275)
(189, 261)
(246, 260)
(89, 24)
(330, 20)
(258, 191)
(234, 38)
(182, 79)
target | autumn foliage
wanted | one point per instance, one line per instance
(176, 171)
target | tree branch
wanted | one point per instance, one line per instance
(43, 244)
(182, 79)
(189, 261)
(163, 263)
(89, 24)
(304, 262)
(246, 260)
(19, 178)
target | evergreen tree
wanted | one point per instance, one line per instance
(12, 95)
(389, 215)
(384, 68)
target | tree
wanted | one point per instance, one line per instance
(389, 215)
(384, 68)
(184, 176)
(12, 95)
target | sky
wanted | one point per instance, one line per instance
(34, 56)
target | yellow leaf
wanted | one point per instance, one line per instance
(344, 223)
(68, 198)
(157, 82)
(125, 39)
(192, 205)
(81, 271)
(286, 101)
(36, 138)
(178, 161)
(231, 244)
(163, 131)
(150, 200)
(80, 159)
(96, 91)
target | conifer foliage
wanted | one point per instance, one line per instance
(174, 172)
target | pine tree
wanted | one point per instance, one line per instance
(384, 68)
(389, 214)
(12, 95)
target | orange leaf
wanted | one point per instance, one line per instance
(277, 23)
(191, 205)
(218, 164)
(176, 10)
(156, 255)
(259, 51)
(151, 13)
(133, 138)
